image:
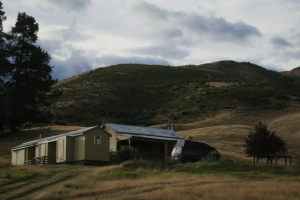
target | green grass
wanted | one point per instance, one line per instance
(142, 169)
(8, 176)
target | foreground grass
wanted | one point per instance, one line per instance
(8, 176)
(22, 181)
(205, 180)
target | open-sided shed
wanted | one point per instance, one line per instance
(144, 142)
(85, 145)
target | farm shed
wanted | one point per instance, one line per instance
(89, 145)
(93, 145)
(144, 142)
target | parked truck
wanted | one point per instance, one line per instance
(188, 150)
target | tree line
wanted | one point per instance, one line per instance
(25, 73)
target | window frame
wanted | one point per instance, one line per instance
(97, 139)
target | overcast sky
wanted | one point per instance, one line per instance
(86, 34)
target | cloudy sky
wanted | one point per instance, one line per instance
(85, 34)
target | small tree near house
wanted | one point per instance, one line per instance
(263, 141)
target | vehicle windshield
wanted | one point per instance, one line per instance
(177, 150)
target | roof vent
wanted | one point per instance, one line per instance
(171, 125)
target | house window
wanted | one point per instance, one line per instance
(97, 139)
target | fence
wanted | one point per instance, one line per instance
(270, 157)
(43, 160)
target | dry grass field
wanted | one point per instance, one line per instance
(226, 131)
(117, 182)
(233, 178)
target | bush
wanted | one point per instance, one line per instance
(121, 156)
(263, 141)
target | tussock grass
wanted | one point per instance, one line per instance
(205, 167)
(144, 180)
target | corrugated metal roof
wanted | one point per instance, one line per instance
(53, 138)
(144, 131)
(137, 131)
(155, 137)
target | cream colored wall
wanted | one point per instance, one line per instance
(78, 148)
(18, 157)
(41, 150)
(61, 150)
(113, 141)
(44, 149)
(13, 157)
(36, 151)
(98, 152)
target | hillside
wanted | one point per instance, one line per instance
(294, 72)
(226, 131)
(152, 94)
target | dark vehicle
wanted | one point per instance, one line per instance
(193, 151)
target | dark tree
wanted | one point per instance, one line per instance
(31, 73)
(263, 141)
(2, 16)
(5, 70)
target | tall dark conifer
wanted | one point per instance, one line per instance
(31, 77)
(4, 70)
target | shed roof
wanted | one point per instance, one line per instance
(137, 131)
(53, 138)
(140, 131)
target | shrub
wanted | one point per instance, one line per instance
(263, 141)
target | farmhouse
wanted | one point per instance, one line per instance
(93, 145)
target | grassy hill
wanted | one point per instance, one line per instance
(152, 94)
(217, 103)
(294, 72)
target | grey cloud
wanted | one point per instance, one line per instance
(274, 68)
(217, 28)
(113, 60)
(68, 68)
(166, 51)
(151, 10)
(77, 63)
(59, 36)
(294, 54)
(220, 29)
(71, 4)
(72, 32)
(49, 45)
(80, 62)
(280, 42)
(173, 33)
